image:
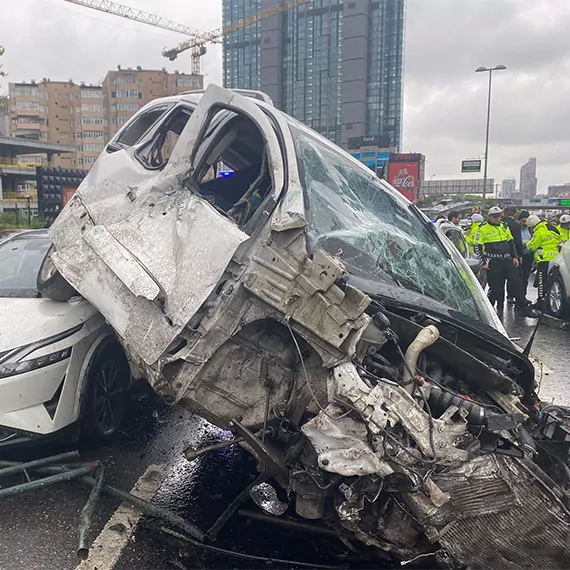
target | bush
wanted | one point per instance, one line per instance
(11, 220)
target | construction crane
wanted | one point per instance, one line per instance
(215, 36)
(122, 11)
(198, 39)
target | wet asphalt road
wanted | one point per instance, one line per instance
(39, 530)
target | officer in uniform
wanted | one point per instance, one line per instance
(544, 243)
(476, 221)
(564, 228)
(495, 247)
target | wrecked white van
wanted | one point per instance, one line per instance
(263, 278)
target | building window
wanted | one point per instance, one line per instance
(127, 106)
(188, 81)
(92, 147)
(93, 121)
(90, 135)
(26, 91)
(129, 79)
(126, 93)
(27, 106)
(87, 160)
(91, 108)
(91, 94)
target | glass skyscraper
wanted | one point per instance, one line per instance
(335, 65)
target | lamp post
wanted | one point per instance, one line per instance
(29, 213)
(490, 70)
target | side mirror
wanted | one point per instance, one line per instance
(474, 264)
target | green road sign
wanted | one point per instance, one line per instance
(471, 166)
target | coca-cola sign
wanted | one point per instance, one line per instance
(404, 177)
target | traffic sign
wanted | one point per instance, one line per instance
(471, 166)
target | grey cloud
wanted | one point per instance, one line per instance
(51, 38)
(445, 101)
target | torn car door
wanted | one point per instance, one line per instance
(151, 262)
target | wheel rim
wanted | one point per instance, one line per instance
(555, 297)
(109, 395)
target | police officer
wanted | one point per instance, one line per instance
(496, 248)
(476, 221)
(544, 243)
(564, 228)
(515, 228)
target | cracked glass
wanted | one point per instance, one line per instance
(378, 236)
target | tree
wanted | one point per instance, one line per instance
(2, 73)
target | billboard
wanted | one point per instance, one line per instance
(457, 186)
(405, 177)
(66, 194)
(55, 186)
(381, 141)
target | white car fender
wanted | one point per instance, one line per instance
(104, 338)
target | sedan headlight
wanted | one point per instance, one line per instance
(13, 368)
(12, 361)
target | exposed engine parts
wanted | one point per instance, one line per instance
(409, 455)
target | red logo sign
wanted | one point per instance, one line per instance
(403, 176)
(67, 193)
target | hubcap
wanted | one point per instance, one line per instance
(555, 297)
(108, 396)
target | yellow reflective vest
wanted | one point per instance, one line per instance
(544, 242)
(494, 241)
(470, 237)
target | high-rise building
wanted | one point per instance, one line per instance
(528, 182)
(508, 188)
(335, 65)
(87, 116)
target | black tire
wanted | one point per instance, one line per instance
(50, 282)
(106, 394)
(556, 303)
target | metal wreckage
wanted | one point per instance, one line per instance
(317, 315)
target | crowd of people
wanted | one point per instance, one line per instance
(510, 245)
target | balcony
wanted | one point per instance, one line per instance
(21, 196)
(6, 162)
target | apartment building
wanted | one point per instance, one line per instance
(87, 116)
(126, 90)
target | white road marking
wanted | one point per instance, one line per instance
(109, 545)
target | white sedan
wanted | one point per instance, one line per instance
(62, 371)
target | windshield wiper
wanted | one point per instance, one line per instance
(387, 271)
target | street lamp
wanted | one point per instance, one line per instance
(490, 70)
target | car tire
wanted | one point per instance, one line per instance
(106, 394)
(556, 297)
(50, 282)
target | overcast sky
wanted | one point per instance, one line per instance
(445, 101)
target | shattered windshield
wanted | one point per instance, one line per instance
(380, 237)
